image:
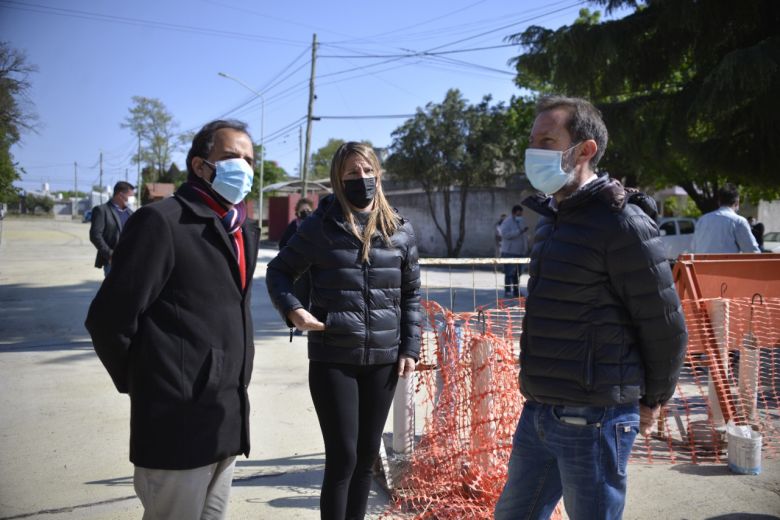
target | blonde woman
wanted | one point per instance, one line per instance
(363, 323)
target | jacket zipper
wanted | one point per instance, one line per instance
(366, 294)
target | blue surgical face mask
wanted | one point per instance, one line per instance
(233, 179)
(544, 169)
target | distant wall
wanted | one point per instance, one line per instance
(769, 215)
(484, 206)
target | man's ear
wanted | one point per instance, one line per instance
(589, 149)
(200, 168)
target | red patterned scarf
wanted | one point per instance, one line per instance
(232, 220)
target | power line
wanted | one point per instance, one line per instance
(389, 116)
(86, 15)
(413, 54)
(529, 19)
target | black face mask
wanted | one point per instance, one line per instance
(304, 213)
(360, 192)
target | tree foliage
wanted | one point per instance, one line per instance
(453, 144)
(16, 114)
(320, 160)
(151, 122)
(688, 89)
(272, 173)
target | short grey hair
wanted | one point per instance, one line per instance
(585, 121)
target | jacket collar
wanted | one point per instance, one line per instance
(190, 199)
(609, 191)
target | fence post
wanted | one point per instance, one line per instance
(403, 415)
(719, 317)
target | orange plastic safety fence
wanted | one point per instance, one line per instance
(467, 383)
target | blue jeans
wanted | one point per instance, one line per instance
(580, 452)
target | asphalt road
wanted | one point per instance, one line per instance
(64, 428)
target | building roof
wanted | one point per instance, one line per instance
(159, 189)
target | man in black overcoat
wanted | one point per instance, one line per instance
(172, 325)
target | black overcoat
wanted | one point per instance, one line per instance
(173, 328)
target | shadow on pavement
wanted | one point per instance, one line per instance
(44, 318)
(743, 516)
(703, 470)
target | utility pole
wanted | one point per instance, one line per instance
(101, 175)
(138, 169)
(75, 179)
(305, 172)
(262, 144)
(300, 151)
(125, 174)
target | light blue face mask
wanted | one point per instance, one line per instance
(544, 169)
(233, 179)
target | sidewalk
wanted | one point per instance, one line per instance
(64, 428)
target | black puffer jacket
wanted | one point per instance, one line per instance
(371, 311)
(603, 323)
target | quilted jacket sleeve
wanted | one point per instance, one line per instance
(411, 317)
(291, 262)
(643, 280)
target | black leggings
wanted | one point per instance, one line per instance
(352, 404)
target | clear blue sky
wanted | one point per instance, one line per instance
(94, 55)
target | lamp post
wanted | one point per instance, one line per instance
(262, 142)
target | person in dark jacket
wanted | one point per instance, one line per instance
(604, 335)
(107, 222)
(172, 325)
(303, 208)
(364, 319)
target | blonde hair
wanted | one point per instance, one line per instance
(383, 217)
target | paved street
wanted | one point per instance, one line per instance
(64, 428)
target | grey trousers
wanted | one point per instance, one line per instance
(191, 494)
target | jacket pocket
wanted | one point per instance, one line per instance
(210, 376)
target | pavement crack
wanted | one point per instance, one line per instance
(67, 509)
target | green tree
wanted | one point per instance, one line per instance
(320, 160)
(16, 114)
(688, 89)
(173, 176)
(151, 122)
(34, 202)
(272, 173)
(453, 144)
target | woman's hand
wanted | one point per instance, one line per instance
(405, 365)
(303, 320)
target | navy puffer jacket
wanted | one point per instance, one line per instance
(371, 311)
(603, 323)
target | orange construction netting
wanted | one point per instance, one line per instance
(467, 385)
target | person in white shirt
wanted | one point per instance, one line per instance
(514, 244)
(722, 230)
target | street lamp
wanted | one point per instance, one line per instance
(262, 142)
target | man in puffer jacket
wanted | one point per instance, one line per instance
(604, 335)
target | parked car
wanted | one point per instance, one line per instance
(87, 216)
(772, 242)
(676, 235)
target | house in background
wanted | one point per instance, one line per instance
(154, 191)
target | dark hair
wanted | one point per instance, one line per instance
(728, 195)
(122, 187)
(516, 208)
(203, 142)
(301, 202)
(584, 123)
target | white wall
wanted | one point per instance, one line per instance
(483, 208)
(769, 215)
